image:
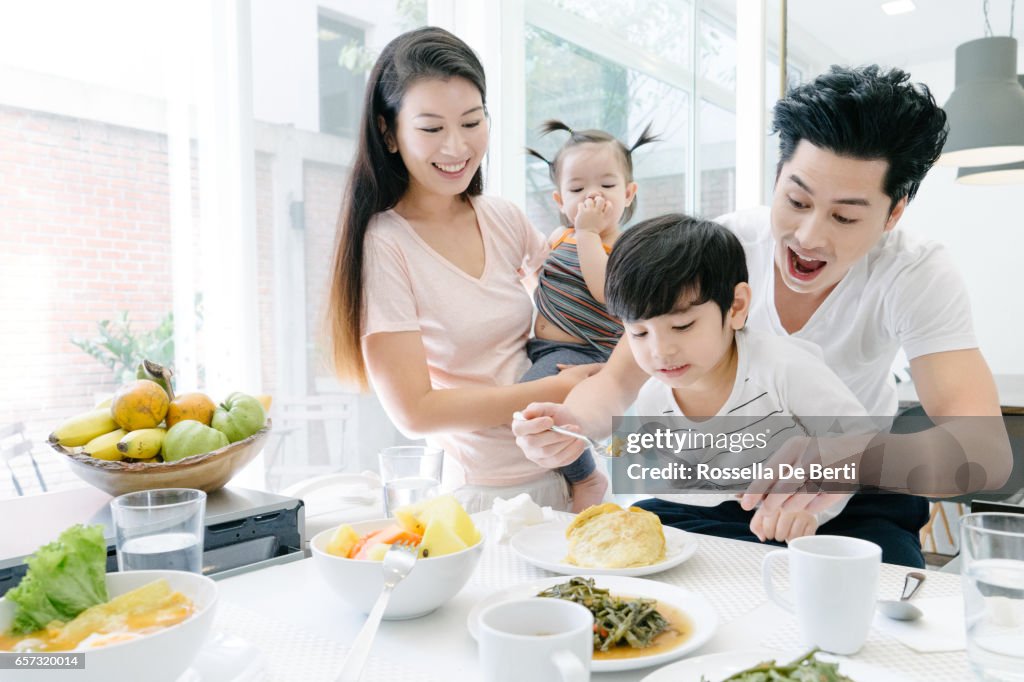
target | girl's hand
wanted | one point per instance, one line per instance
(592, 215)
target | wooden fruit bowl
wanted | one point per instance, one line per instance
(208, 472)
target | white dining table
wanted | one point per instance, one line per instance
(300, 630)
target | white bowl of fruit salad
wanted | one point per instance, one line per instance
(349, 557)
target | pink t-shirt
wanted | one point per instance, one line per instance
(474, 330)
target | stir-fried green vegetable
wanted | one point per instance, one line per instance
(616, 621)
(807, 668)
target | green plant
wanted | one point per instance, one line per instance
(121, 348)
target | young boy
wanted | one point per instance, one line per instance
(680, 287)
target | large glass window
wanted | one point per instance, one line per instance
(342, 57)
(621, 65)
(131, 184)
(567, 82)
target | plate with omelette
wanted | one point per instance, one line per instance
(605, 540)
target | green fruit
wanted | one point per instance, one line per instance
(239, 416)
(189, 437)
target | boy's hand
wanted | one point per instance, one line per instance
(547, 448)
(782, 525)
(592, 215)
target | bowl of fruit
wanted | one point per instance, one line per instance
(146, 437)
(349, 557)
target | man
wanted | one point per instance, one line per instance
(827, 266)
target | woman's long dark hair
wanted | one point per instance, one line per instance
(379, 178)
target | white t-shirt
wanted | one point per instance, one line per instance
(782, 378)
(904, 292)
(474, 330)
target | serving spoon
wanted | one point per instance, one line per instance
(902, 609)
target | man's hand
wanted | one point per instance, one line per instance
(592, 215)
(782, 525)
(547, 448)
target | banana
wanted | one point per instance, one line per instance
(142, 443)
(105, 446)
(82, 428)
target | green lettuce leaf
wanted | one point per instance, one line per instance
(64, 578)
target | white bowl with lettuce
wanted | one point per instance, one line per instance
(139, 625)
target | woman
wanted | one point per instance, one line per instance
(427, 299)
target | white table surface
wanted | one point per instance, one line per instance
(303, 630)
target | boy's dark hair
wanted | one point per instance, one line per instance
(591, 135)
(658, 260)
(866, 113)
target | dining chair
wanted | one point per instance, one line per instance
(15, 443)
(312, 435)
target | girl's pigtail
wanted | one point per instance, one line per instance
(551, 125)
(537, 154)
(646, 137)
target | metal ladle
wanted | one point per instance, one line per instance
(902, 609)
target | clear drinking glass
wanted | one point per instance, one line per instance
(409, 473)
(160, 529)
(992, 549)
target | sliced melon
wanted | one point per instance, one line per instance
(440, 539)
(447, 510)
(342, 541)
(409, 522)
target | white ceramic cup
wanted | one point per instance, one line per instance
(536, 639)
(834, 583)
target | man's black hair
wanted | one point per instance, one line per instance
(866, 113)
(658, 260)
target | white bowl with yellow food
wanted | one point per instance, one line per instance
(152, 635)
(450, 546)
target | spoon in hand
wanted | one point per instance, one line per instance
(902, 609)
(596, 448)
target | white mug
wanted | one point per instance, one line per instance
(538, 639)
(834, 583)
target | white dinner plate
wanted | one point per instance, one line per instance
(546, 546)
(717, 667)
(698, 609)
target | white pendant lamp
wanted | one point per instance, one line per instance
(986, 109)
(1006, 174)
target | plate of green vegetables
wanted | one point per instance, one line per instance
(755, 665)
(637, 622)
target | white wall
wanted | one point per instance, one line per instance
(983, 227)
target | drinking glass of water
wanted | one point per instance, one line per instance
(160, 529)
(992, 547)
(409, 473)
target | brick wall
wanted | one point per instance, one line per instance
(265, 270)
(85, 235)
(323, 186)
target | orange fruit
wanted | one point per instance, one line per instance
(139, 404)
(196, 406)
(265, 401)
